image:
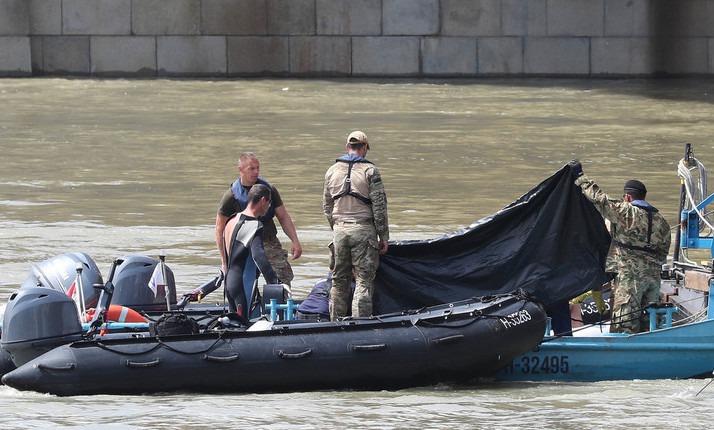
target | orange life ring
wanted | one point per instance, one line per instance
(119, 313)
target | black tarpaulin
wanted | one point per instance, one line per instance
(551, 242)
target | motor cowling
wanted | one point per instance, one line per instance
(59, 272)
(36, 320)
(131, 284)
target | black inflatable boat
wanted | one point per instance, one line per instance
(450, 342)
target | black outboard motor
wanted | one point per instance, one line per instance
(131, 284)
(59, 272)
(36, 320)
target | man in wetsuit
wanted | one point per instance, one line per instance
(234, 200)
(243, 245)
(641, 238)
(355, 205)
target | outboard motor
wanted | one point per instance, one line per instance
(36, 320)
(59, 272)
(131, 284)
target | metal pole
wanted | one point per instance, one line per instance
(162, 259)
(682, 199)
(80, 292)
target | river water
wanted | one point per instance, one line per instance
(116, 167)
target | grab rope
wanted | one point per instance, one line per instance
(160, 343)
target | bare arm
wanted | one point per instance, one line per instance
(286, 223)
(221, 221)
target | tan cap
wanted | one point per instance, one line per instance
(357, 137)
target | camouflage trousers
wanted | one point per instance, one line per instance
(633, 291)
(278, 258)
(356, 246)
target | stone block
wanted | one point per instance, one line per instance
(682, 18)
(291, 17)
(385, 56)
(248, 55)
(15, 56)
(36, 54)
(14, 19)
(628, 18)
(449, 56)
(683, 55)
(556, 56)
(166, 17)
(96, 17)
(500, 55)
(410, 17)
(191, 55)
(470, 17)
(320, 55)
(45, 17)
(121, 56)
(234, 17)
(349, 17)
(523, 17)
(575, 17)
(623, 56)
(65, 55)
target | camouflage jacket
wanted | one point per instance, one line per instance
(641, 236)
(367, 200)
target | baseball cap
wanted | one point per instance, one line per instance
(357, 137)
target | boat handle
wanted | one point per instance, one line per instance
(283, 354)
(137, 364)
(448, 339)
(68, 366)
(218, 359)
(376, 347)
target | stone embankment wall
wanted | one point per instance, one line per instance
(356, 38)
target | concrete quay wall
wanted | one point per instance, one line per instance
(356, 38)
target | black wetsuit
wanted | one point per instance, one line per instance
(245, 257)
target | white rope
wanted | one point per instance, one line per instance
(696, 193)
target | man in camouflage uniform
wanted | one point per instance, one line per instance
(641, 239)
(355, 205)
(234, 200)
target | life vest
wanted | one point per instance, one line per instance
(347, 188)
(651, 210)
(241, 196)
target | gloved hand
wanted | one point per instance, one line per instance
(576, 168)
(184, 300)
(581, 298)
(599, 302)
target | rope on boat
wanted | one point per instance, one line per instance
(697, 316)
(477, 315)
(704, 387)
(160, 343)
(696, 192)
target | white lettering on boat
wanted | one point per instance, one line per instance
(515, 319)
